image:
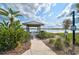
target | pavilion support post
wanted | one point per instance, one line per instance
(38, 29)
(27, 28)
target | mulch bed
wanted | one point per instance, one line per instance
(18, 50)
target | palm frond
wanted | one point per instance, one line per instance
(10, 10)
(16, 15)
(5, 23)
(16, 12)
(3, 12)
(17, 27)
(1, 24)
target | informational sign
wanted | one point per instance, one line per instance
(73, 28)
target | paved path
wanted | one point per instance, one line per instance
(38, 48)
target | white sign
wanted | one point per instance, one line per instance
(73, 27)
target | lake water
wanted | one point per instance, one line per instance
(55, 31)
(60, 31)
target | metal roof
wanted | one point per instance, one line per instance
(34, 22)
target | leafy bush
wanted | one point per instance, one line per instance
(59, 44)
(11, 33)
(22, 36)
(44, 35)
(7, 40)
(10, 36)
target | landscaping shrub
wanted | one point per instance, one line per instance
(44, 35)
(51, 41)
(9, 37)
(11, 32)
(59, 44)
(7, 40)
(67, 42)
(22, 36)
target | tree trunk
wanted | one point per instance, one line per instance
(11, 21)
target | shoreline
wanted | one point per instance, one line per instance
(61, 31)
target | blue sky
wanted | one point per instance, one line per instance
(47, 13)
(55, 11)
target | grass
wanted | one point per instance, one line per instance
(51, 41)
(70, 37)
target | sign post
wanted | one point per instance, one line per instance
(73, 30)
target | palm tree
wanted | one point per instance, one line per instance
(66, 24)
(10, 13)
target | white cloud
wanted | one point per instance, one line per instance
(47, 8)
(54, 4)
(30, 9)
(66, 11)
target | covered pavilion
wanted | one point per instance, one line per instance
(33, 23)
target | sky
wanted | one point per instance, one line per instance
(46, 13)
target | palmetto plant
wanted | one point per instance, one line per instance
(4, 25)
(11, 14)
(11, 33)
(16, 25)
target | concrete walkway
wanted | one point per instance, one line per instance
(38, 48)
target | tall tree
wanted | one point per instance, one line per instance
(66, 25)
